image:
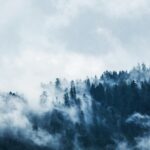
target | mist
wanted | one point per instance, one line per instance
(74, 75)
(80, 114)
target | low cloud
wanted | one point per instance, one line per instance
(42, 40)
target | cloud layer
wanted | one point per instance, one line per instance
(41, 40)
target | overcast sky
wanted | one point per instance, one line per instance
(44, 39)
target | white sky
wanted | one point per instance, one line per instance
(42, 40)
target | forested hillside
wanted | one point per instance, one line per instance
(107, 112)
